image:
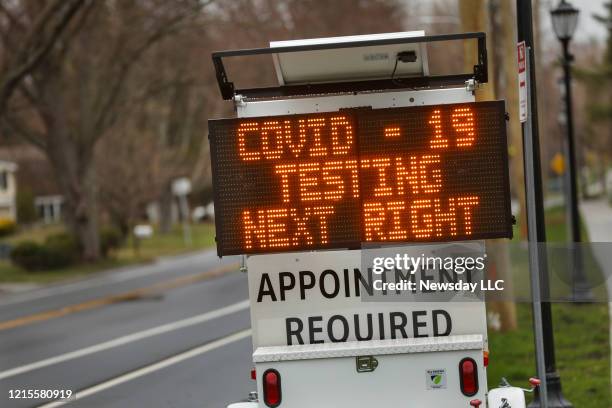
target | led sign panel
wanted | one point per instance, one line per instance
(340, 179)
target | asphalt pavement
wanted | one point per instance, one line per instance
(170, 334)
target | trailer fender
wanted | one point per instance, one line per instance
(505, 397)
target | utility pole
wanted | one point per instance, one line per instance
(555, 397)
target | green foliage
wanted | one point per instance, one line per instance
(607, 22)
(7, 227)
(26, 211)
(63, 248)
(58, 251)
(203, 236)
(596, 78)
(600, 112)
(28, 255)
(582, 349)
(111, 239)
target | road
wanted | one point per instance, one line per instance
(170, 334)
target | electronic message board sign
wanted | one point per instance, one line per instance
(340, 179)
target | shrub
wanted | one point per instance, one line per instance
(7, 227)
(62, 249)
(58, 251)
(29, 255)
(110, 240)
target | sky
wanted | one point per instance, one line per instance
(587, 27)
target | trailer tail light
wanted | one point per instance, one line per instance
(468, 376)
(272, 388)
(253, 374)
(485, 359)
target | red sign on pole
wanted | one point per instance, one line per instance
(522, 81)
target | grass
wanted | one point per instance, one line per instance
(582, 341)
(36, 234)
(582, 351)
(558, 261)
(149, 249)
(202, 236)
(10, 273)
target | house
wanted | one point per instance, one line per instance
(8, 190)
(36, 181)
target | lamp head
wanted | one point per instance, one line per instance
(564, 20)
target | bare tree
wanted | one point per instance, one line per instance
(165, 132)
(127, 154)
(36, 39)
(79, 92)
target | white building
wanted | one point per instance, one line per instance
(8, 190)
(49, 208)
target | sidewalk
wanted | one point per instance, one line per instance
(597, 217)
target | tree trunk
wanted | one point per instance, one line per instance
(76, 178)
(603, 174)
(475, 16)
(498, 267)
(508, 89)
(72, 158)
(86, 224)
(121, 221)
(165, 211)
(517, 182)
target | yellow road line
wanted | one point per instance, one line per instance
(122, 297)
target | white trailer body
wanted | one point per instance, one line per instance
(319, 347)
(409, 373)
(414, 372)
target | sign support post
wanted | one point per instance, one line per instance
(180, 188)
(551, 383)
(534, 247)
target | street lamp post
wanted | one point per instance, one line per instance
(564, 21)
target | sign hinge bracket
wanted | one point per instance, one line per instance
(239, 100)
(471, 85)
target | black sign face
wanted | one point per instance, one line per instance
(339, 179)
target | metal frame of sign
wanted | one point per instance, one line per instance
(332, 103)
(228, 89)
